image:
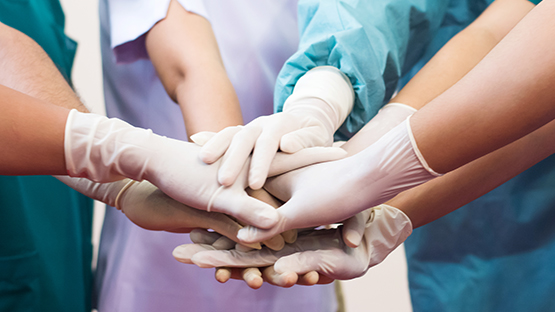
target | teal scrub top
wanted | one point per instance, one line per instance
(496, 253)
(45, 250)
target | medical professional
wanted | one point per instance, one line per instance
(46, 254)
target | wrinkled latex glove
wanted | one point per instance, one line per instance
(106, 150)
(334, 191)
(322, 251)
(285, 162)
(320, 102)
(148, 207)
(253, 276)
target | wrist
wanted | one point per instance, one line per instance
(331, 87)
(105, 150)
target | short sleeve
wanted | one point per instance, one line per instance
(130, 20)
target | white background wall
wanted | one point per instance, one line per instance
(383, 288)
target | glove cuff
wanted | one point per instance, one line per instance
(329, 85)
(418, 153)
(103, 149)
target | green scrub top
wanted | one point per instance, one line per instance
(45, 250)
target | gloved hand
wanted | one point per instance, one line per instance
(148, 207)
(321, 101)
(105, 150)
(334, 191)
(318, 250)
(372, 42)
(253, 276)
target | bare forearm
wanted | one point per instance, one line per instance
(452, 62)
(31, 135)
(506, 96)
(184, 52)
(438, 197)
(34, 102)
(28, 69)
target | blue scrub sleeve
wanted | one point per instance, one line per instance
(366, 40)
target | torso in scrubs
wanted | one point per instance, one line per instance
(496, 253)
(45, 251)
(136, 270)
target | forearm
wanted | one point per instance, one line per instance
(506, 96)
(451, 63)
(440, 196)
(32, 135)
(28, 69)
(184, 52)
(32, 129)
(463, 52)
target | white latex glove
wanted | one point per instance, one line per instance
(148, 207)
(334, 191)
(387, 118)
(322, 251)
(321, 101)
(105, 150)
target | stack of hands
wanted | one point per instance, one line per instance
(233, 181)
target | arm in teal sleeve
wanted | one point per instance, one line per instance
(366, 40)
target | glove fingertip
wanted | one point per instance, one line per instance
(256, 183)
(208, 156)
(201, 138)
(180, 254)
(352, 238)
(250, 234)
(290, 144)
(225, 178)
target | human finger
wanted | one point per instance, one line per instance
(216, 146)
(353, 228)
(237, 154)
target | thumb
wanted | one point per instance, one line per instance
(200, 138)
(245, 208)
(354, 227)
(303, 138)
